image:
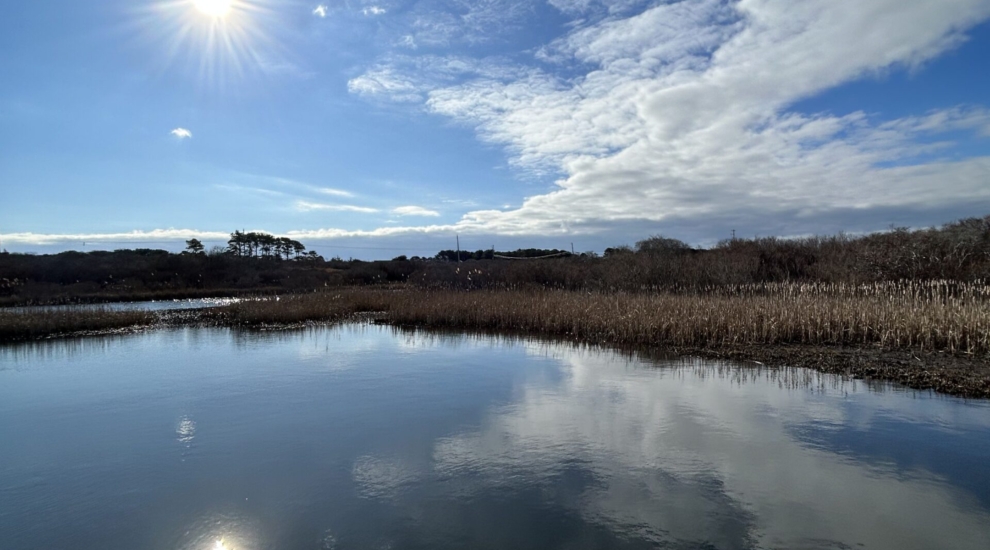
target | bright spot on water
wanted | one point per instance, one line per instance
(186, 430)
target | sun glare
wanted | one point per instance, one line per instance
(218, 42)
(214, 8)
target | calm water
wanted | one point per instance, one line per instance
(360, 437)
(154, 305)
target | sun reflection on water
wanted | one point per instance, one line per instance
(186, 431)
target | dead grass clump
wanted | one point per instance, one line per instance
(294, 309)
(26, 325)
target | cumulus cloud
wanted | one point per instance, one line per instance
(181, 133)
(306, 206)
(374, 10)
(682, 111)
(321, 10)
(414, 211)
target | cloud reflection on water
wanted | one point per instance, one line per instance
(673, 454)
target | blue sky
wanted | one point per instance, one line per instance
(365, 128)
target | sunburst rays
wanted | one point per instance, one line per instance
(220, 43)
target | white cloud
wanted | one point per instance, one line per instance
(138, 236)
(374, 10)
(414, 211)
(297, 186)
(684, 115)
(131, 236)
(181, 133)
(306, 206)
(334, 192)
(384, 83)
(463, 21)
(408, 79)
(603, 7)
(278, 67)
(321, 10)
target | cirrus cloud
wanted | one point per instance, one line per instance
(414, 211)
(306, 206)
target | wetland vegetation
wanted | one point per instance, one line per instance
(910, 306)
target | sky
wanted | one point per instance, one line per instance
(370, 129)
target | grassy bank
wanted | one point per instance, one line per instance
(926, 335)
(933, 335)
(929, 317)
(296, 309)
(924, 317)
(46, 322)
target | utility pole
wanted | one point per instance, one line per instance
(572, 249)
(458, 248)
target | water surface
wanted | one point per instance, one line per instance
(150, 305)
(361, 437)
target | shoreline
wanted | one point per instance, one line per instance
(957, 375)
(943, 373)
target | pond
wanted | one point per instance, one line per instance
(367, 437)
(153, 305)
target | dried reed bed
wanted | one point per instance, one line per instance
(923, 316)
(295, 309)
(931, 316)
(26, 325)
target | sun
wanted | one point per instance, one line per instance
(214, 8)
(218, 42)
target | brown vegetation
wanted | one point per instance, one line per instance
(295, 309)
(957, 252)
(925, 334)
(39, 323)
(917, 316)
(930, 316)
(135, 275)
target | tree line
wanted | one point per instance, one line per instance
(258, 245)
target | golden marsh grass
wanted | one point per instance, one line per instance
(923, 316)
(41, 322)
